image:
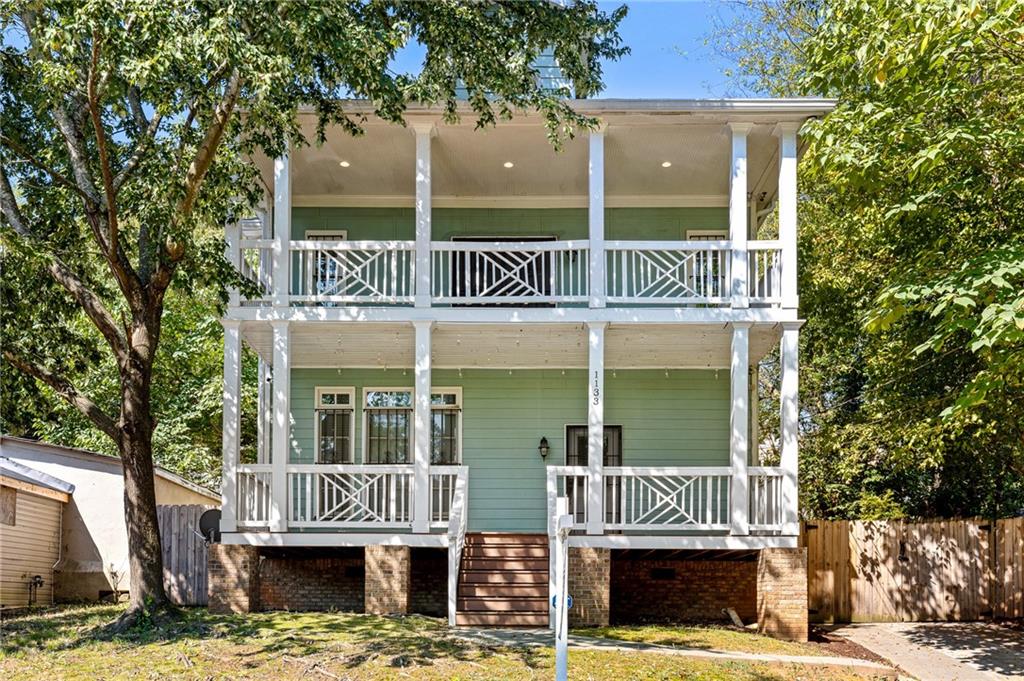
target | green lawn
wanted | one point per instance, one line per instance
(708, 638)
(63, 644)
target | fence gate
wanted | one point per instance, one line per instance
(184, 553)
(922, 571)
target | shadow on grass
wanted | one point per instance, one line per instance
(347, 639)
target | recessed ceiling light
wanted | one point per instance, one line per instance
(508, 164)
(666, 164)
(344, 164)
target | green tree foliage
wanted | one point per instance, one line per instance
(911, 251)
(123, 151)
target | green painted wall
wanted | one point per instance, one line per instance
(663, 224)
(681, 419)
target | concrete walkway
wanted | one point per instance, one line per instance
(545, 638)
(944, 651)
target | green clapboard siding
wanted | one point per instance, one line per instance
(680, 419)
(662, 224)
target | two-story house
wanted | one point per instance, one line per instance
(456, 327)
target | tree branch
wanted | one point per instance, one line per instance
(101, 145)
(68, 393)
(25, 155)
(73, 137)
(149, 128)
(62, 274)
(208, 148)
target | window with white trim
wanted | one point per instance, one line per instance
(388, 426)
(335, 443)
(445, 427)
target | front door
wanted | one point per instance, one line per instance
(576, 454)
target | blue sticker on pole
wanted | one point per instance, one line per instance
(568, 602)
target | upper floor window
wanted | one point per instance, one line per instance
(334, 415)
(707, 235)
(388, 426)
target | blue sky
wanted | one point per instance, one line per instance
(669, 58)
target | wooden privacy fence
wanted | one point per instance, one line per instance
(893, 570)
(184, 552)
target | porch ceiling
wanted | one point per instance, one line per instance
(468, 164)
(467, 346)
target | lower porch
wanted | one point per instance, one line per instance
(609, 586)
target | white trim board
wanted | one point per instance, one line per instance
(334, 539)
(560, 201)
(625, 541)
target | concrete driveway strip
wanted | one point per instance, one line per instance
(944, 651)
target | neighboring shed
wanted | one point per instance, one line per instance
(94, 560)
(31, 507)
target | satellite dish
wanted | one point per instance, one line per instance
(209, 525)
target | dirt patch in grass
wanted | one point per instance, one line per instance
(67, 643)
(833, 644)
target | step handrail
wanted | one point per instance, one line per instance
(457, 520)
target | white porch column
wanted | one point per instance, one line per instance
(738, 214)
(596, 213)
(280, 438)
(739, 413)
(281, 259)
(787, 210)
(595, 428)
(231, 423)
(424, 132)
(789, 393)
(421, 431)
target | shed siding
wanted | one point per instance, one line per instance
(30, 547)
(680, 419)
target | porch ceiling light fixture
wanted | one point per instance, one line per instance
(666, 164)
(344, 164)
(544, 448)
(509, 164)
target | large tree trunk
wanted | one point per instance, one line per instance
(136, 446)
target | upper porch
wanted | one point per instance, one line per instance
(662, 205)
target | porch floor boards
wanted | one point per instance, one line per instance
(503, 581)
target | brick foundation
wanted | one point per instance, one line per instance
(428, 582)
(682, 590)
(590, 586)
(312, 580)
(233, 578)
(387, 580)
(782, 593)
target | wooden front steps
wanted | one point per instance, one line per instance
(503, 581)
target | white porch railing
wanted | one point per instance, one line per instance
(766, 508)
(765, 278)
(570, 482)
(380, 272)
(252, 507)
(665, 498)
(339, 496)
(480, 272)
(255, 265)
(443, 481)
(511, 273)
(679, 272)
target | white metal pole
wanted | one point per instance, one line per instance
(280, 435)
(787, 133)
(231, 423)
(789, 423)
(423, 213)
(595, 428)
(561, 596)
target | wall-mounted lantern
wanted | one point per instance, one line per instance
(544, 448)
